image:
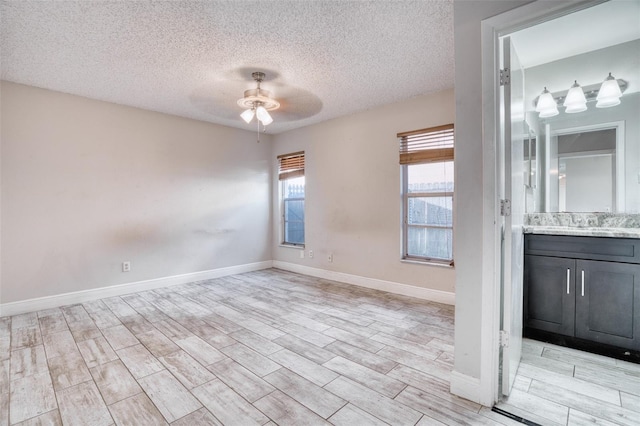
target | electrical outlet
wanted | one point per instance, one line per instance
(301, 254)
(330, 257)
(310, 254)
(126, 266)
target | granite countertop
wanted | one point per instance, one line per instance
(583, 232)
(616, 225)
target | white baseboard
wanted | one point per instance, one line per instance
(467, 387)
(48, 302)
(388, 286)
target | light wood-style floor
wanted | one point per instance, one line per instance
(267, 347)
(561, 386)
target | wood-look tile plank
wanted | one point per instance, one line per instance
(53, 323)
(256, 342)
(200, 350)
(68, 370)
(28, 361)
(430, 384)
(306, 322)
(31, 396)
(172, 399)
(577, 417)
(173, 329)
(354, 339)
(139, 361)
(250, 359)
(379, 382)
(119, 307)
(211, 335)
(26, 320)
(201, 417)
(5, 338)
(241, 380)
(304, 348)
(609, 377)
(632, 402)
(226, 405)
(4, 376)
(137, 324)
(4, 409)
(157, 343)
(495, 417)
(407, 346)
(571, 383)
(114, 381)
(362, 357)
(307, 334)
(425, 365)
(530, 401)
(440, 409)
(305, 392)
(52, 418)
(82, 405)
(284, 410)
(386, 409)
(528, 415)
(119, 337)
(586, 404)
(25, 337)
(59, 344)
(350, 415)
(137, 410)
(344, 325)
(186, 369)
(309, 370)
(101, 314)
(96, 351)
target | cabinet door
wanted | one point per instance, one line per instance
(608, 304)
(549, 294)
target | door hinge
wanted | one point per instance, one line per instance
(505, 77)
(504, 339)
(505, 207)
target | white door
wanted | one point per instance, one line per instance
(513, 190)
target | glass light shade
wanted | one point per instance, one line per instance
(247, 115)
(263, 116)
(609, 93)
(546, 106)
(575, 100)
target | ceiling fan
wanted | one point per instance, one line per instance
(258, 102)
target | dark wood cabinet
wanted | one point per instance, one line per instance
(583, 287)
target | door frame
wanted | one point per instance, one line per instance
(491, 30)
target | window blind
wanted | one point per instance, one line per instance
(290, 165)
(426, 145)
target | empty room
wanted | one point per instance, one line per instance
(319, 212)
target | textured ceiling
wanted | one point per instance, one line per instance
(323, 59)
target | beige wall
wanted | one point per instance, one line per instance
(353, 191)
(87, 185)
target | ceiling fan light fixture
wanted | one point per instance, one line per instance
(247, 115)
(263, 115)
(258, 101)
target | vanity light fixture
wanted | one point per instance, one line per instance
(546, 105)
(575, 100)
(609, 93)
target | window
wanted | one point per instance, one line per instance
(426, 160)
(291, 177)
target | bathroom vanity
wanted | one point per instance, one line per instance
(582, 281)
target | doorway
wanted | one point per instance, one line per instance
(518, 105)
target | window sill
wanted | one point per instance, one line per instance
(292, 246)
(444, 264)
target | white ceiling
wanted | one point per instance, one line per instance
(323, 59)
(604, 25)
